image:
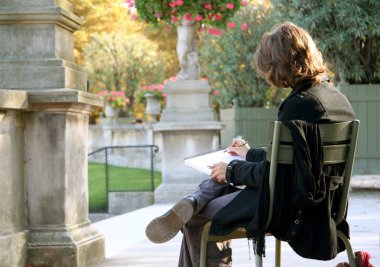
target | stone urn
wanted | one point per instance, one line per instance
(153, 106)
(110, 114)
(109, 111)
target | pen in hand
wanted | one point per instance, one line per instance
(237, 146)
(243, 144)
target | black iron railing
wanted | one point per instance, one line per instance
(119, 169)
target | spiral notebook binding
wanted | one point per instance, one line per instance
(204, 153)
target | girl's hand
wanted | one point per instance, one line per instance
(218, 172)
(238, 147)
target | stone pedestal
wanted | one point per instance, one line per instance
(43, 139)
(188, 127)
(187, 101)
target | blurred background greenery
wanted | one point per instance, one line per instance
(123, 53)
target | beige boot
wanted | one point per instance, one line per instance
(166, 226)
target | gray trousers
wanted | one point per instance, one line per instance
(211, 198)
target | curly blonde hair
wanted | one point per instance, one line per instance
(287, 55)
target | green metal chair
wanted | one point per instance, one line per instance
(344, 134)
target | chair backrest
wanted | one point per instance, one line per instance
(339, 144)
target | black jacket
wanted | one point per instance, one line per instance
(322, 103)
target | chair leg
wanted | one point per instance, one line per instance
(278, 253)
(347, 244)
(204, 239)
(258, 261)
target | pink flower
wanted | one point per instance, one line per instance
(244, 3)
(244, 26)
(215, 92)
(230, 6)
(208, 6)
(231, 25)
(134, 17)
(217, 17)
(101, 93)
(188, 16)
(198, 18)
(179, 2)
(173, 4)
(215, 32)
(175, 19)
(158, 15)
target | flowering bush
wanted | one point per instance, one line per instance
(228, 61)
(117, 99)
(211, 12)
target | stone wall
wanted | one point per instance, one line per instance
(104, 135)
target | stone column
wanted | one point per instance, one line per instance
(36, 58)
(56, 133)
(13, 235)
(188, 127)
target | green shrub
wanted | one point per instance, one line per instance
(347, 32)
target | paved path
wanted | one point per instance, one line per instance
(126, 244)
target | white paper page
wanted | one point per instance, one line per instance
(201, 162)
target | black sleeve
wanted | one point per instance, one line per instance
(241, 172)
(256, 154)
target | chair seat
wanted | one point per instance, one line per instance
(236, 234)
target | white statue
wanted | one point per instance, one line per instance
(187, 51)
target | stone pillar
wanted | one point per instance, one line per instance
(13, 235)
(56, 133)
(36, 59)
(188, 127)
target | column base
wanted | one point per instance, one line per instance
(12, 247)
(61, 247)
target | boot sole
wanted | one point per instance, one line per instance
(165, 227)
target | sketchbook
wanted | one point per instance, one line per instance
(202, 161)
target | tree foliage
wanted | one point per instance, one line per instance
(105, 16)
(99, 16)
(347, 32)
(122, 62)
(227, 61)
